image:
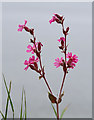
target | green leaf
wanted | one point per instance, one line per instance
(54, 110)
(7, 101)
(21, 106)
(64, 111)
(2, 115)
(9, 96)
(25, 104)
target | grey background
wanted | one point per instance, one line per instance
(78, 84)
(92, 60)
(0, 56)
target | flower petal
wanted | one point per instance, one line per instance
(26, 62)
(20, 29)
(28, 51)
(26, 68)
(25, 22)
(29, 47)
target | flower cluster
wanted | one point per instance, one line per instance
(70, 63)
(72, 60)
(34, 47)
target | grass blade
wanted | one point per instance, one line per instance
(54, 110)
(64, 111)
(7, 101)
(2, 115)
(25, 104)
(9, 95)
(21, 106)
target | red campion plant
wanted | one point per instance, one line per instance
(34, 63)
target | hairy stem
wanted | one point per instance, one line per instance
(65, 49)
(42, 69)
(65, 65)
(62, 85)
(44, 76)
(63, 79)
(57, 105)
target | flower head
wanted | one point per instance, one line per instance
(61, 38)
(72, 60)
(53, 19)
(57, 18)
(31, 49)
(31, 61)
(27, 63)
(58, 62)
(21, 27)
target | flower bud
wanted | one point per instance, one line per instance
(66, 32)
(32, 67)
(60, 99)
(62, 43)
(39, 46)
(58, 16)
(64, 67)
(32, 31)
(67, 29)
(36, 65)
(27, 29)
(58, 21)
(31, 41)
(38, 54)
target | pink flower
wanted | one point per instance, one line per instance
(21, 27)
(61, 38)
(57, 18)
(72, 60)
(53, 19)
(27, 63)
(58, 62)
(31, 61)
(31, 49)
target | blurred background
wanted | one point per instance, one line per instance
(78, 84)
